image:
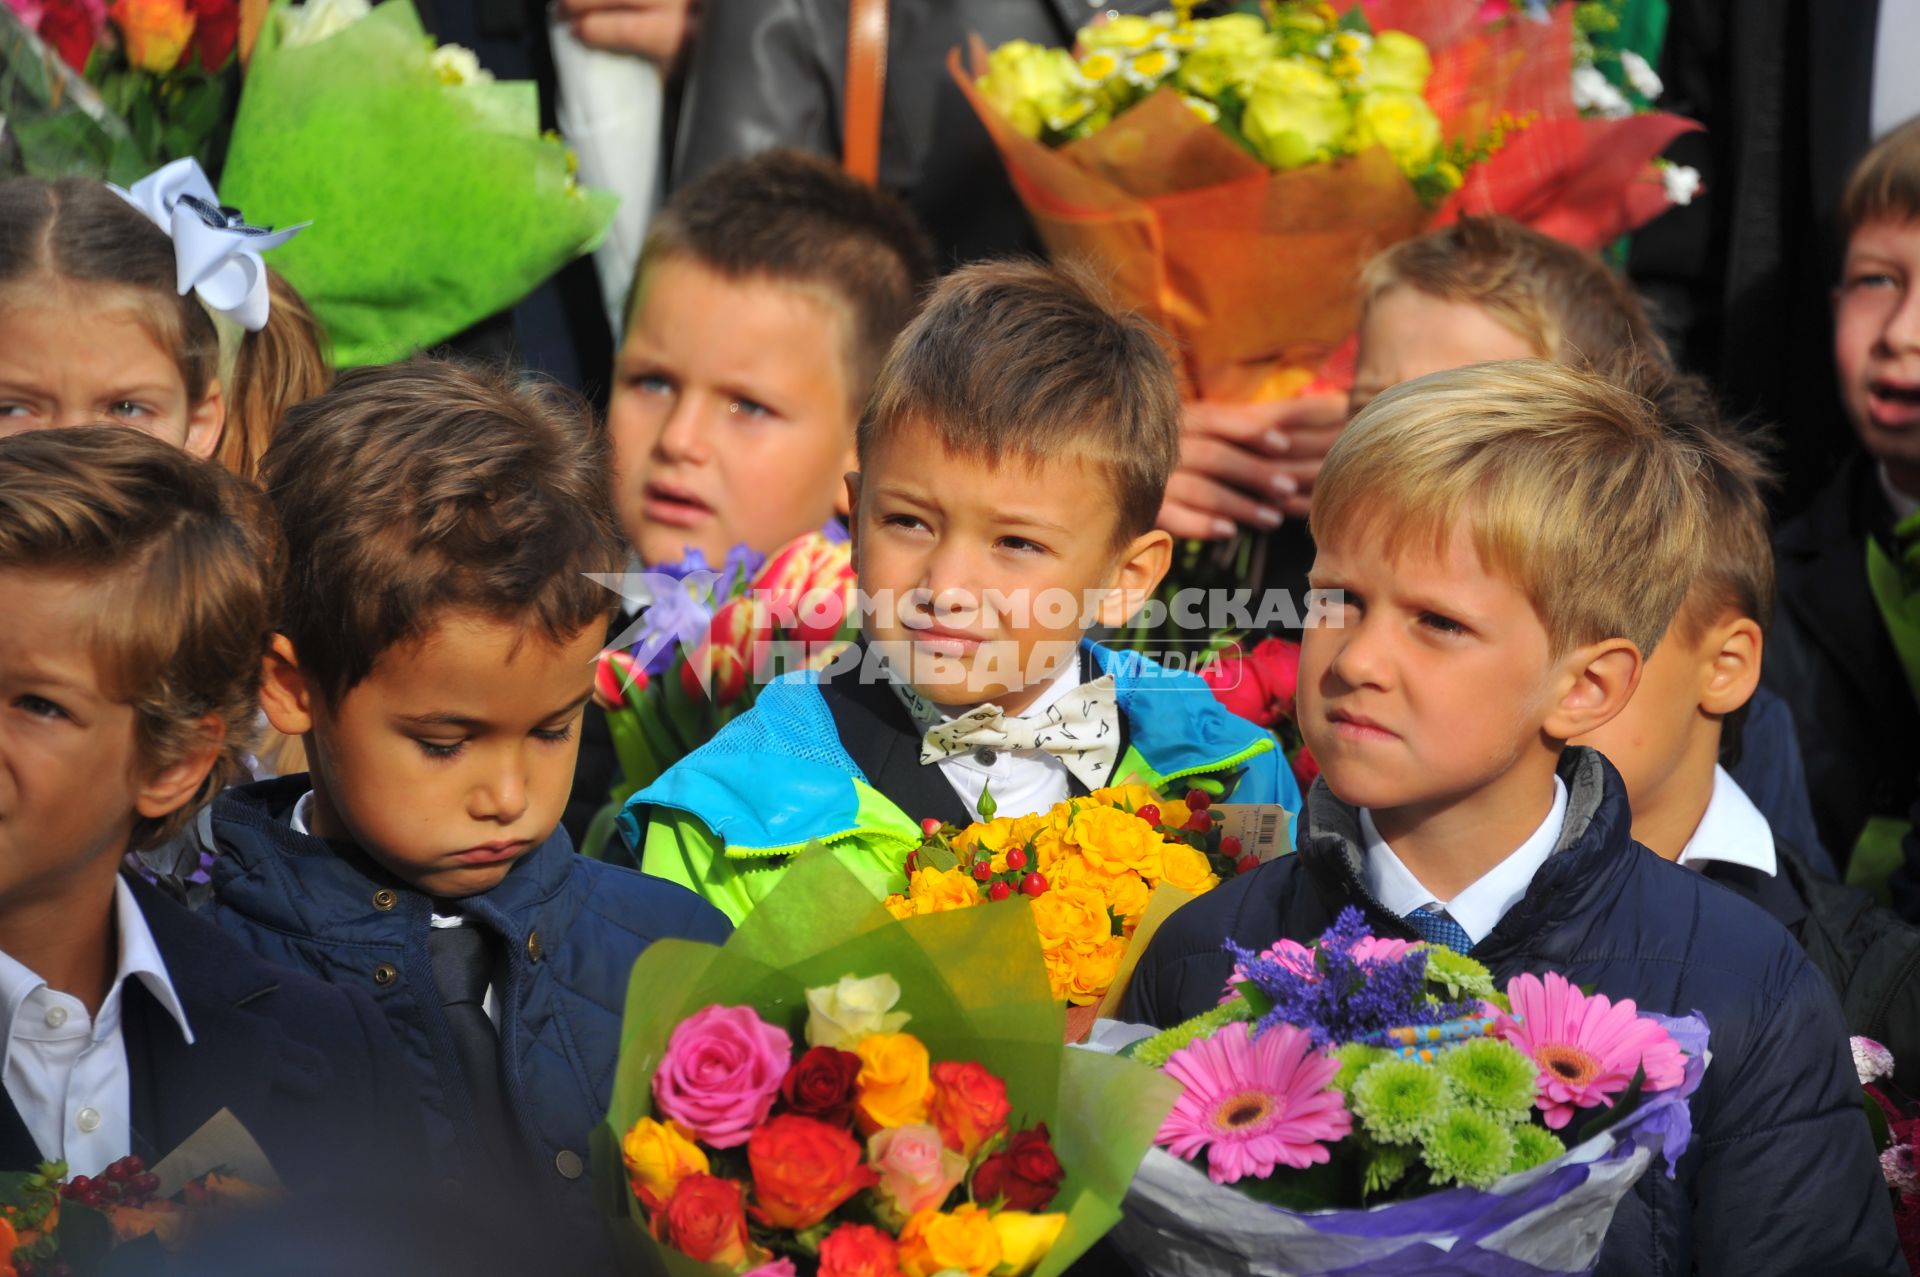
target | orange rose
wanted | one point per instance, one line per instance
(155, 31)
(802, 1170)
(859, 1250)
(1071, 915)
(894, 1081)
(707, 1221)
(968, 1105)
(963, 1241)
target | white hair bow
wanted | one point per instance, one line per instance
(215, 252)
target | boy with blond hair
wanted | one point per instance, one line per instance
(1013, 456)
(1507, 543)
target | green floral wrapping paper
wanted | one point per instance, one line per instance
(434, 204)
(976, 986)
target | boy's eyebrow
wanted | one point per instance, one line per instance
(448, 718)
(1022, 519)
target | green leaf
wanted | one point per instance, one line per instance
(1626, 1102)
(1316, 1188)
(1877, 1123)
(1355, 19)
(60, 146)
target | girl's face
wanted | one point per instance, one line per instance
(77, 356)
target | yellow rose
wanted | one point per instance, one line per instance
(1091, 970)
(1113, 840)
(1187, 869)
(964, 1241)
(899, 906)
(894, 1082)
(1401, 122)
(1398, 61)
(938, 890)
(1071, 915)
(1230, 62)
(991, 836)
(1127, 894)
(1128, 31)
(1296, 114)
(1025, 82)
(658, 1156)
(1025, 1240)
(1048, 850)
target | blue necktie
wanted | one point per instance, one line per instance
(1438, 928)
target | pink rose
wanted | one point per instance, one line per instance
(721, 1072)
(917, 1169)
(781, 1267)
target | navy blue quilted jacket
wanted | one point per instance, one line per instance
(571, 929)
(1781, 1176)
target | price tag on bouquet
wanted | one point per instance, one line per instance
(1262, 828)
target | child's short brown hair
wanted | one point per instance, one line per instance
(1569, 485)
(185, 555)
(796, 219)
(409, 490)
(1561, 300)
(1031, 360)
(1885, 185)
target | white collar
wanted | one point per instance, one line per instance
(302, 810)
(1904, 506)
(1480, 906)
(139, 958)
(1732, 830)
(928, 714)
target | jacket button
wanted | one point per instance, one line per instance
(385, 973)
(535, 950)
(384, 900)
(568, 1163)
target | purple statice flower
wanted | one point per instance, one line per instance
(1353, 988)
(1667, 1117)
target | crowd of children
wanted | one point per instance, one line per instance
(1559, 720)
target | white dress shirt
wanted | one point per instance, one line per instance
(304, 808)
(1024, 781)
(1731, 830)
(66, 1071)
(1479, 907)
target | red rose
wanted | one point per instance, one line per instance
(706, 1220)
(968, 1105)
(1025, 1173)
(216, 29)
(1276, 664)
(1232, 682)
(73, 28)
(1305, 768)
(821, 1085)
(859, 1250)
(802, 1170)
(1260, 685)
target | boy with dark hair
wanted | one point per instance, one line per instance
(435, 649)
(1508, 541)
(1846, 645)
(1011, 460)
(139, 587)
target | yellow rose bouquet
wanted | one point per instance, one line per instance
(844, 1093)
(1094, 872)
(1233, 173)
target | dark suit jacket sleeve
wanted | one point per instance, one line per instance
(1791, 1133)
(761, 77)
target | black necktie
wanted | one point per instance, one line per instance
(462, 969)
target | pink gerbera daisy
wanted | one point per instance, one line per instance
(1587, 1047)
(1254, 1103)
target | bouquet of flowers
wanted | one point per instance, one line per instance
(1232, 174)
(435, 198)
(864, 1095)
(707, 639)
(1259, 685)
(1094, 872)
(114, 91)
(1361, 1105)
(1895, 1120)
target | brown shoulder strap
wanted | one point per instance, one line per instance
(866, 88)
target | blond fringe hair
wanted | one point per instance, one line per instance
(1569, 486)
(1885, 184)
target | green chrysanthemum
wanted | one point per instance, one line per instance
(1398, 1100)
(1491, 1076)
(1155, 1051)
(1458, 974)
(1533, 1146)
(1468, 1147)
(1387, 1167)
(1356, 1058)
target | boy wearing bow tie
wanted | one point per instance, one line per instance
(1012, 457)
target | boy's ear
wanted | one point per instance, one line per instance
(849, 494)
(1597, 682)
(852, 499)
(163, 793)
(285, 692)
(1143, 565)
(1735, 646)
(206, 422)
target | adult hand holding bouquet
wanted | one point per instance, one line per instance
(864, 1093)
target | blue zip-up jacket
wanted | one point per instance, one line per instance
(727, 819)
(1781, 1176)
(570, 929)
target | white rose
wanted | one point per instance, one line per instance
(1644, 79)
(1682, 183)
(317, 19)
(839, 1015)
